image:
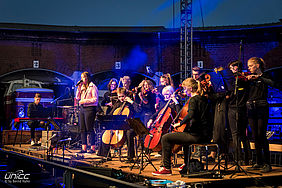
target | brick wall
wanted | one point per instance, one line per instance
(95, 53)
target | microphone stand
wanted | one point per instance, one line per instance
(64, 148)
(238, 168)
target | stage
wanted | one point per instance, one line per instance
(96, 164)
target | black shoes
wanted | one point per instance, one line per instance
(266, 168)
(91, 151)
(82, 151)
(255, 167)
(263, 168)
(129, 160)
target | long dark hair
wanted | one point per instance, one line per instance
(87, 75)
(110, 82)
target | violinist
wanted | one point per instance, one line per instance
(196, 73)
(87, 95)
(258, 112)
(237, 114)
(167, 92)
(110, 97)
(133, 108)
(197, 131)
(146, 100)
(126, 82)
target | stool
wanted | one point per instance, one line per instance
(206, 149)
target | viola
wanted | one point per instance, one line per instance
(116, 138)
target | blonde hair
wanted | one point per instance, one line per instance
(258, 60)
(149, 82)
(126, 78)
(168, 88)
(194, 84)
(168, 79)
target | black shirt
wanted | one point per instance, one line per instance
(35, 111)
(241, 97)
(259, 87)
(198, 116)
(134, 108)
(150, 106)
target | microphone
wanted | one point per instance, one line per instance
(67, 139)
(78, 83)
(54, 135)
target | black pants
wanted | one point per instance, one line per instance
(220, 126)
(238, 124)
(32, 125)
(182, 138)
(130, 134)
(258, 119)
(86, 120)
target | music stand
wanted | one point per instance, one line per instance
(222, 81)
(113, 122)
(140, 130)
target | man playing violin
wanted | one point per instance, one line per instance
(198, 130)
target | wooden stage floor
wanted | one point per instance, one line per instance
(72, 159)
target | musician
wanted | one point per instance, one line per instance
(126, 82)
(258, 112)
(134, 108)
(197, 132)
(165, 80)
(146, 100)
(196, 73)
(167, 93)
(110, 96)
(35, 110)
(237, 111)
(87, 95)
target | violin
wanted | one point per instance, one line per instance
(247, 76)
(205, 82)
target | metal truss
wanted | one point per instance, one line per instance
(186, 39)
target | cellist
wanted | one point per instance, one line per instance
(167, 92)
(197, 131)
(133, 108)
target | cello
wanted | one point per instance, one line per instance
(160, 127)
(180, 116)
(116, 138)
